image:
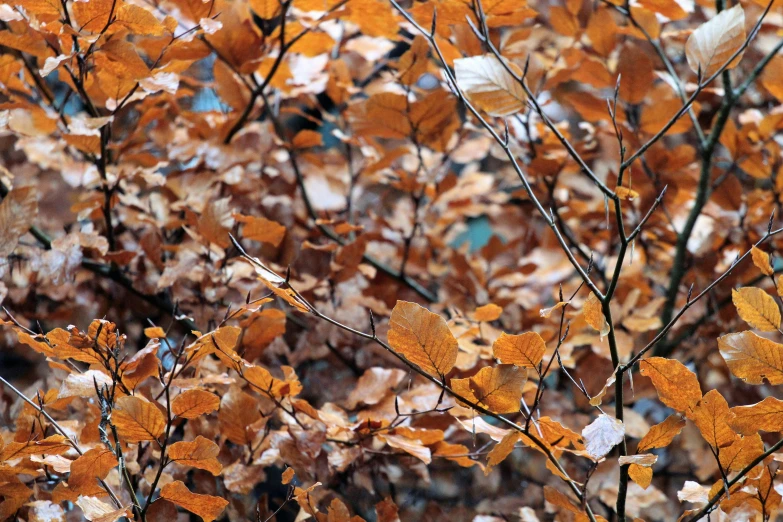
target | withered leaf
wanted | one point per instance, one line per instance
(423, 338)
(525, 350)
(207, 507)
(137, 419)
(752, 358)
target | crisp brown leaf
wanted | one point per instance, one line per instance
(497, 388)
(489, 85)
(714, 42)
(200, 453)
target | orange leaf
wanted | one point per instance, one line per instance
(194, 403)
(497, 388)
(662, 434)
(261, 229)
(205, 506)
(501, 450)
(757, 308)
(752, 358)
(677, 386)
(200, 453)
(766, 415)
(137, 419)
(423, 338)
(88, 468)
(712, 417)
(525, 350)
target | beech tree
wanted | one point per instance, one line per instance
(391, 260)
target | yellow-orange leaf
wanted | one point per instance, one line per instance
(138, 20)
(715, 41)
(207, 507)
(261, 229)
(766, 415)
(137, 419)
(525, 350)
(661, 435)
(201, 453)
(712, 417)
(497, 388)
(677, 386)
(594, 315)
(757, 308)
(642, 475)
(501, 450)
(88, 468)
(52, 445)
(423, 338)
(194, 403)
(741, 453)
(752, 358)
(488, 312)
(17, 212)
(761, 260)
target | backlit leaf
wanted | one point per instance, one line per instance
(677, 386)
(423, 338)
(137, 419)
(524, 350)
(757, 308)
(661, 435)
(497, 388)
(602, 435)
(712, 417)
(200, 453)
(193, 403)
(489, 86)
(752, 358)
(766, 415)
(715, 41)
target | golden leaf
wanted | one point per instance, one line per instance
(194, 403)
(662, 434)
(752, 358)
(489, 86)
(501, 450)
(712, 417)
(677, 386)
(641, 475)
(525, 350)
(261, 229)
(138, 20)
(766, 415)
(497, 388)
(52, 445)
(715, 41)
(741, 453)
(97, 510)
(238, 411)
(137, 420)
(488, 312)
(207, 507)
(423, 338)
(761, 260)
(594, 315)
(201, 453)
(88, 468)
(757, 308)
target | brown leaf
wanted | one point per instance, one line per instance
(18, 210)
(752, 358)
(594, 315)
(489, 86)
(757, 308)
(238, 411)
(201, 453)
(677, 386)
(207, 507)
(88, 468)
(488, 312)
(261, 229)
(138, 420)
(742, 453)
(423, 338)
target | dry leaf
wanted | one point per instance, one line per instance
(757, 308)
(423, 338)
(713, 43)
(497, 388)
(603, 434)
(207, 507)
(524, 350)
(752, 358)
(489, 86)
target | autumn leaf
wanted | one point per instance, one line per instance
(752, 358)
(712, 417)
(207, 507)
(423, 338)
(602, 435)
(714, 42)
(17, 213)
(761, 260)
(594, 315)
(642, 475)
(741, 453)
(86, 470)
(191, 404)
(51, 445)
(661, 435)
(677, 386)
(261, 229)
(95, 510)
(488, 312)
(524, 350)
(501, 450)
(200, 453)
(497, 388)
(766, 415)
(757, 308)
(489, 86)
(138, 420)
